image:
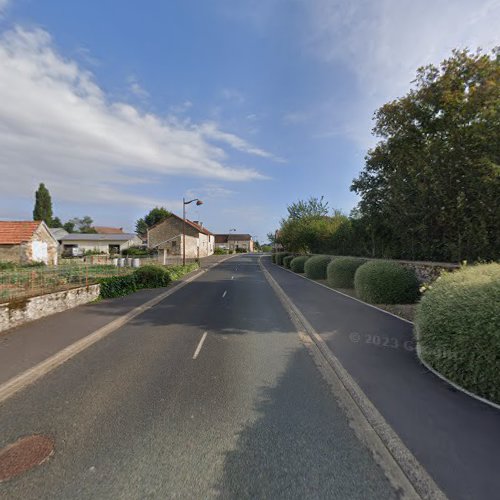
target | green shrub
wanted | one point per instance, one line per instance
(297, 263)
(137, 251)
(280, 256)
(117, 286)
(176, 272)
(220, 251)
(273, 257)
(382, 282)
(340, 272)
(315, 266)
(7, 266)
(287, 260)
(458, 328)
(151, 276)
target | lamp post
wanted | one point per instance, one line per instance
(184, 203)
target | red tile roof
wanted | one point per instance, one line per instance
(16, 232)
(108, 230)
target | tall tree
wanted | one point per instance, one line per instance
(80, 225)
(313, 207)
(43, 205)
(431, 187)
(153, 217)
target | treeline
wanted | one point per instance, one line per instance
(430, 188)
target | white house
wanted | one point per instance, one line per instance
(79, 243)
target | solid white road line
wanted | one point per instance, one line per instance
(224, 294)
(200, 345)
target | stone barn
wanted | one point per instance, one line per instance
(166, 236)
(24, 242)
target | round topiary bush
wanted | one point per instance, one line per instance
(287, 260)
(297, 263)
(151, 276)
(315, 266)
(457, 327)
(280, 256)
(381, 282)
(340, 272)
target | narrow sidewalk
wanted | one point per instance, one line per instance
(453, 436)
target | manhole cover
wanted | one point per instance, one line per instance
(24, 454)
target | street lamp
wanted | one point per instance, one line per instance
(184, 203)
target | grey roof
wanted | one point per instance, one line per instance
(58, 232)
(98, 237)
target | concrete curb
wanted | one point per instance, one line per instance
(28, 377)
(418, 351)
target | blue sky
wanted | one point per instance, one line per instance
(247, 104)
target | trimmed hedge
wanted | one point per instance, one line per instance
(287, 260)
(382, 282)
(458, 328)
(315, 266)
(151, 276)
(341, 270)
(273, 258)
(117, 286)
(280, 256)
(297, 264)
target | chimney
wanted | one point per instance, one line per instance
(197, 222)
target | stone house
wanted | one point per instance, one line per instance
(79, 243)
(233, 242)
(24, 242)
(166, 236)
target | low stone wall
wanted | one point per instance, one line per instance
(20, 311)
(427, 272)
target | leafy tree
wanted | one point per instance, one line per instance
(153, 217)
(56, 222)
(82, 224)
(431, 187)
(43, 205)
(313, 207)
(69, 226)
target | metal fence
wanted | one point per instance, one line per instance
(32, 281)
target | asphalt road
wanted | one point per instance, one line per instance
(135, 416)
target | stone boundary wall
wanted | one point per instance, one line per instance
(17, 312)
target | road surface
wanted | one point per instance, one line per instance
(209, 394)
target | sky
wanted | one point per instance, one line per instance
(249, 105)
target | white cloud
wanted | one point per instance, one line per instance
(210, 191)
(3, 5)
(137, 89)
(58, 126)
(382, 43)
(234, 95)
(296, 117)
(210, 131)
(181, 108)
